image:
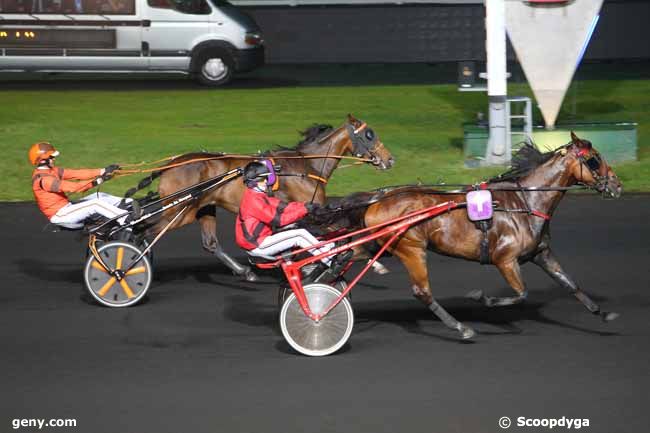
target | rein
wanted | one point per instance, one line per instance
(128, 172)
(467, 188)
(384, 193)
(304, 175)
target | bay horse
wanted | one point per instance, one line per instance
(520, 227)
(301, 178)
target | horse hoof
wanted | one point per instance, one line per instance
(251, 277)
(609, 316)
(466, 332)
(476, 295)
(380, 269)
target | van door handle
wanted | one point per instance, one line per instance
(146, 23)
(145, 49)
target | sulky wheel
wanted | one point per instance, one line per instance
(285, 291)
(320, 338)
(109, 290)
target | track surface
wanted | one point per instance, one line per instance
(204, 352)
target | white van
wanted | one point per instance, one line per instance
(209, 39)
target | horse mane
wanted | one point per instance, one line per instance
(527, 159)
(311, 134)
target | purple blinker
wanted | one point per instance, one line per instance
(272, 177)
(479, 205)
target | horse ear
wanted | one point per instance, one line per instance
(574, 138)
(351, 118)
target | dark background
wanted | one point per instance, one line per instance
(423, 33)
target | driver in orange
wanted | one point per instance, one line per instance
(50, 185)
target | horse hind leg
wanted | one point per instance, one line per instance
(415, 261)
(362, 253)
(549, 263)
(379, 268)
(511, 272)
(211, 243)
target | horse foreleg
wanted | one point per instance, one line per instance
(211, 243)
(415, 260)
(511, 272)
(549, 263)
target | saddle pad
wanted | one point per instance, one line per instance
(479, 205)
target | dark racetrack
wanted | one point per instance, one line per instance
(204, 352)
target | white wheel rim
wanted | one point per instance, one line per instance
(214, 69)
(322, 338)
(116, 295)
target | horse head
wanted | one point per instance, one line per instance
(588, 167)
(365, 143)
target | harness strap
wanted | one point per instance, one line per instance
(542, 215)
(532, 211)
(303, 175)
(484, 257)
(318, 178)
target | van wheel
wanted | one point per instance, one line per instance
(214, 68)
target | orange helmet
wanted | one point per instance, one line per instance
(41, 151)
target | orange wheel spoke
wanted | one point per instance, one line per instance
(120, 256)
(95, 264)
(127, 289)
(138, 270)
(106, 286)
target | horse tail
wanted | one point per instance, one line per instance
(143, 183)
(346, 212)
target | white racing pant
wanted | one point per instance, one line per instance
(73, 215)
(297, 238)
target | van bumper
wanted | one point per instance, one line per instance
(247, 60)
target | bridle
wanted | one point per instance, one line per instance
(592, 160)
(364, 142)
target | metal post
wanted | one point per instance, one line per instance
(498, 149)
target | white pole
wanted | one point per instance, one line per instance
(498, 149)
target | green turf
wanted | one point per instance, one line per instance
(420, 123)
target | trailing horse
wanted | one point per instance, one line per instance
(525, 197)
(305, 171)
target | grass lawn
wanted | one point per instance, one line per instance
(123, 122)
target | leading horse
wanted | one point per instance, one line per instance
(526, 197)
(305, 170)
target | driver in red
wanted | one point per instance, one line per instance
(50, 185)
(259, 215)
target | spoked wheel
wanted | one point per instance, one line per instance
(106, 289)
(320, 338)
